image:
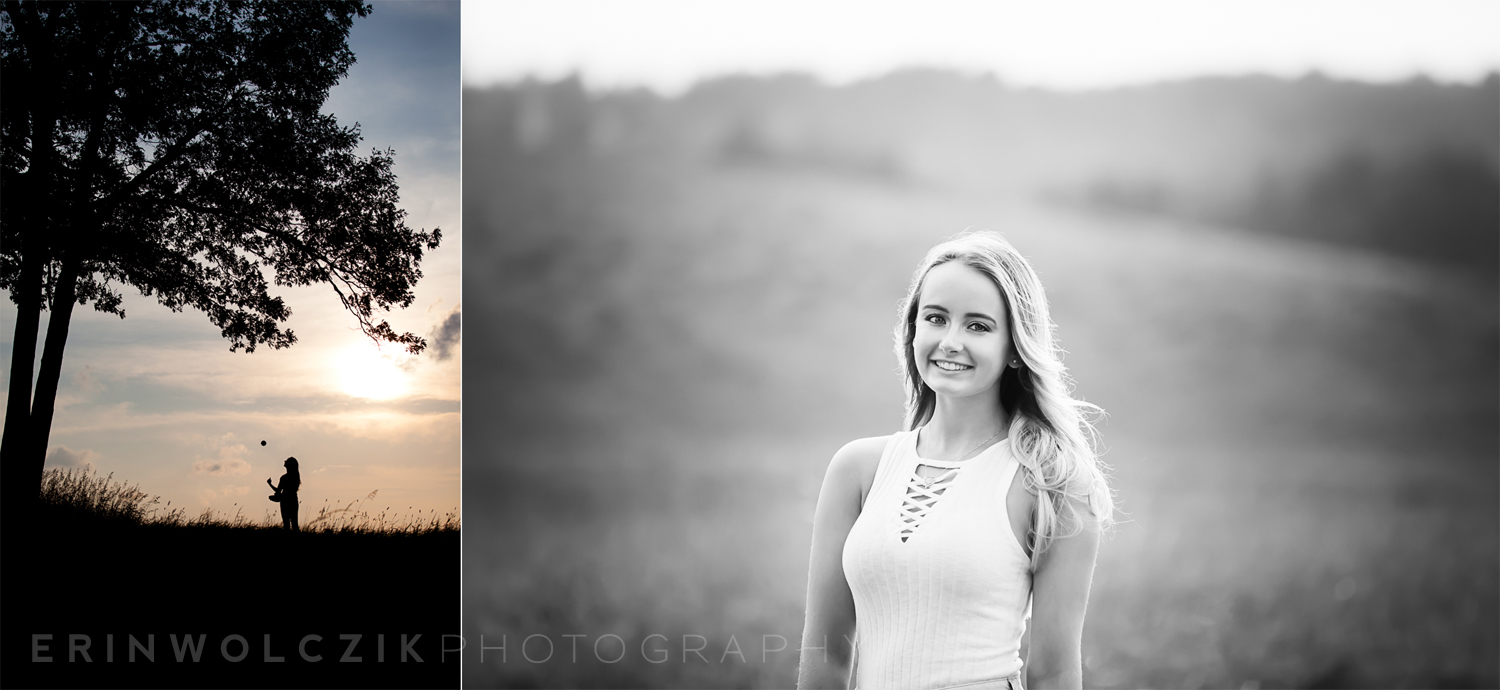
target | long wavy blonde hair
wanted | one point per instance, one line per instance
(1051, 433)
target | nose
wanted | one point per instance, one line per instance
(951, 341)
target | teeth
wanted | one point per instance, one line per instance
(951, 366)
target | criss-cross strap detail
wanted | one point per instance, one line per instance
(922, 493)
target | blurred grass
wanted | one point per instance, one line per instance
(1303, 435)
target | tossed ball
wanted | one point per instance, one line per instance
(263, 443)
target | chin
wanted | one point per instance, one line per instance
(948, 390)
(952, 389)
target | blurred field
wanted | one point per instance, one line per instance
(667, 345)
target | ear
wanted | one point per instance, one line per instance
(1012, 356)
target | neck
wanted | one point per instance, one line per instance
(961, 426)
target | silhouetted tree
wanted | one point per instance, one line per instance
(177, 147)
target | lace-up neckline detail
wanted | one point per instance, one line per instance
(925, 490)
(922, 493)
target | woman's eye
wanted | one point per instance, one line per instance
(979, 327)
(935, 319)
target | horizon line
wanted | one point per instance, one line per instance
(610, 87)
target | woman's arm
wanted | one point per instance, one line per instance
(828, 634)
(1059, 596)
(273, 486)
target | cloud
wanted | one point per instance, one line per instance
(230, 466)
(85, 386)
(212, 497)
(226, 492)
(87, 380)
(228, 462)
(65, 457)
(434, 9)
(447, 335)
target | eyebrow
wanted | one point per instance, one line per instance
(970, 315)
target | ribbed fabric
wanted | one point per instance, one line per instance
(946, 607)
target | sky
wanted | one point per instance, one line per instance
(666, 45)
(158, 399)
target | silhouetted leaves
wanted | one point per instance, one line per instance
(178, 147)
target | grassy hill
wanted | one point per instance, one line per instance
(102, 567)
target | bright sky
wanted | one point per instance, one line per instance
(668, 44)
(158, 400)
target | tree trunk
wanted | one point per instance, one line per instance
(31, 208)
(15, 484)
(63, 297)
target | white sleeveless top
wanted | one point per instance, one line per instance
(941, 587)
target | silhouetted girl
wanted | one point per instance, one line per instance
(286, 494)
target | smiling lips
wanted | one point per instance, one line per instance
(950, 366)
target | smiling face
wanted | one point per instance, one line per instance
(961, 343)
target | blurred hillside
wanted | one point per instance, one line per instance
(1407, 168)
(680, 308)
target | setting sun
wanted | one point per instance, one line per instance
(367, 372)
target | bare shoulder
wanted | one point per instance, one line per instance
(853, 466)
(860, 456)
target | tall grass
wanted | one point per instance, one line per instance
(351, 519)
(83, 494)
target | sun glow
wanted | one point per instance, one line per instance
(366, 372)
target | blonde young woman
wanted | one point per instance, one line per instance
(933, 546)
